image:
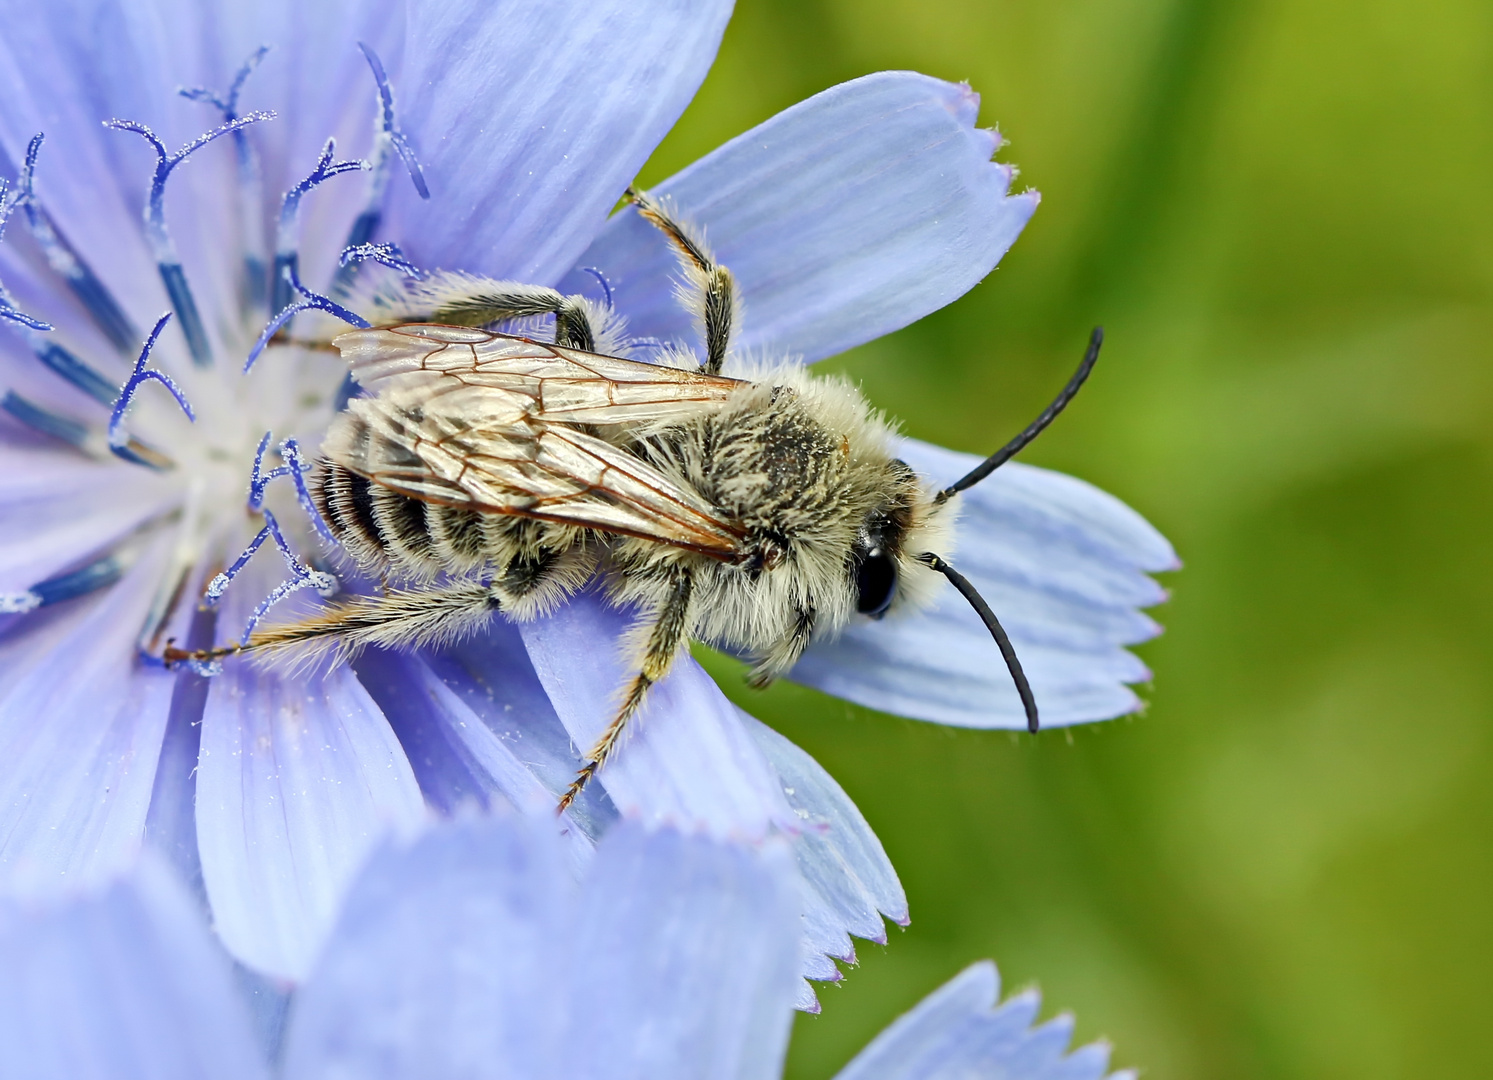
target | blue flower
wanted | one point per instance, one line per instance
(493, 139)
(479, 950)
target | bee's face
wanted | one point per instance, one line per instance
(878, 549)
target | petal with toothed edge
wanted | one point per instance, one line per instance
(686, 960)
(1064, 567)
(526, 147)
(843, 218)
(959, 1031)
(122, 984)
(300, 774)
(80, 734)
(687, 759)
(849, 883)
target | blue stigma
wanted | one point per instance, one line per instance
(389, 127)
(294, 467)
(312, 301)
(386, 254)
(65, 261)
(388, 142)
(119, 439)
(8, 309)
(601, 279)
(254, 288)
(162, 246)
(287, 235)
(53, 356)
(301, 575)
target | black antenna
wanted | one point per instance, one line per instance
(1049, 414)
(976, 601)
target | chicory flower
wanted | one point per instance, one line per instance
(180, 172)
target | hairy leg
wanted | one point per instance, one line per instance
(468, 300)
(712, 282)
(398, 618)
(785, 652)
(665, 638)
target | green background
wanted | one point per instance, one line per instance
(1280, 213)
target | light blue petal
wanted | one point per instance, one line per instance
(807, 1001)
(531, 117)
(685, 961)
(171, 822)
(470, 952)
(958, 1031)
(492, 675)
(843, 218)
(1064, 567)
(299, 776)
(56, 509)
(457, 759)
(688, 759)
(64, 69)
(849, 882)
(81, 724)
(447, 962)
(125, 985)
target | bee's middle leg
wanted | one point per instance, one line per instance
(669, 633)
(469, 300)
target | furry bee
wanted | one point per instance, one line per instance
(488, 472)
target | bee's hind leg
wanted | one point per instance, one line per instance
(400, 618)
(468, 300)
(667, 635)
(712, 283)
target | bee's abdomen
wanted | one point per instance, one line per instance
(345, 501)
(384, 530)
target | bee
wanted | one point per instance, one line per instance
(496, 473)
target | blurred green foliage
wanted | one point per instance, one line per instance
(1280, 213)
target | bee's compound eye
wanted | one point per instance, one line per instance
(875, 582)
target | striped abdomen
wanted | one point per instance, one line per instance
(384, 530)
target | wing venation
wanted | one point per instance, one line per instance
(497, 449)
(567, 385)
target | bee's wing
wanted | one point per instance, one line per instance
(484, 447)
(565, 385)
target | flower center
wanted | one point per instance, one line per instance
(220, 421)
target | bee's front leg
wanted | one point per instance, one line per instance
(784, 653)
(712, 285)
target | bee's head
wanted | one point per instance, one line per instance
(884, 569)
